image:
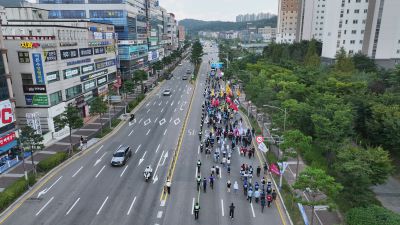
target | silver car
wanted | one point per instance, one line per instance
(121, 156)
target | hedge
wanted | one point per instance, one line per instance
(135, 102)
(372, 215)
(51, 162)
(115, 122)
(15, 190)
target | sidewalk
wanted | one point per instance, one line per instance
(322, 216)
(88, 131)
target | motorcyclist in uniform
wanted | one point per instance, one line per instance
(148, 172)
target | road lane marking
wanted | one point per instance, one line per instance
(175, 110)
(162, 110)
(147, 122)
(154, 102)
(155, 121)
(165, 131)
(177, 121)
(100, 171)
(148, 132)
(179, 102)
(99, 149)
(147, 105)
(172, 103)
(77, 171)
(102, 205)
(155, 177)
(159, 103)
(252, 210)
(142, 159)
(72, 206)
(159, 214)
(170, 119)
(162, 204)
(191, 209)
(161, 122)
(158, 147)
(51, 199)
(137, 149)
(123, 171)
(222, 207)
(130, 133)
(167, 103)
(130, 207)
(198, 150)
(140, 120)
(101, 158)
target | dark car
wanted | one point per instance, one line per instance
(121, 156)
(169, 76)
(184, 77)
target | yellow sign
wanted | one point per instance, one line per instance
(28, 44)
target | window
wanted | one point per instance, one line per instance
(23, 57)
(55, 98)
(351, 52)
(73, 91)
(61, 1)
(104, 1)
(361, 41)
(365, 10)
(352, 42)
(67, 14)
(356, 11)
(26, 78)
(358, 1)
(52, 77)
(398, 51)
(354, 32)
(106, 13)
(355, 21)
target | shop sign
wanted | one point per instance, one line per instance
(7, 139)
(69, 53)
(104, 64)
(127, 42)
(101, 80)
(85, 51)
(99, 50)
(65, 44)
(99, 73)
(79, 61)
(28, 44)
(72, 72)
(99, 43)
(89, 85)
(88, 96)
(50, 56)
(102, 90)
(110, 49)
(6, 113)
(38, 68)
(109, 35)
(48, 45)
(87, 68)
(33, 120)
(40, 100)
(34, 88)
(98, 35)
(52, 76)
(100, 59)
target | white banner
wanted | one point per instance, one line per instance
(263, 147)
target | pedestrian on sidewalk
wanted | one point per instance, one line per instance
(228, 185)
(196, 210)
(235, 187)
(273, 195)
(231, 210)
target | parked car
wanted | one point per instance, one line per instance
(121, 156)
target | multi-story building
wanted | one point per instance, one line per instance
(128, 17)
(57, 63)
(268, 33)
(239, 18)
(172, 32)
(287, 20)
(181, 34)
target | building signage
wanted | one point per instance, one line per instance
(98, 35)
(6, 113)
(110, 49)
(99, 73)
(7, 139)
(48, 45)
(65, 44)
(28, 44)
(88, 96)
(50, 56)
(52, 76)
(38, 68)
(100, 59)
(33, 120)
(69, 53)
(85, 51)
(89, 85)
(109, 35)
(99, 43)
(87, 68)
(79, 61)
(72, 72)
(101, 80)
(127, 42)
(34, 88)
(99, 50)
(40, 100)
(102, 90)
(104, 64)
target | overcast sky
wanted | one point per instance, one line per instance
(225, 10)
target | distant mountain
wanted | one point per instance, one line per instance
(192, 25)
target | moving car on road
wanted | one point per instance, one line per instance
(169, 76)
(121, 156)
(184, 77)
(167, 92)
(188, 71)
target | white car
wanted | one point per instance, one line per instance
(180, 64)
(167, 92)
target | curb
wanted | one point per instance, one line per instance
(43, 180)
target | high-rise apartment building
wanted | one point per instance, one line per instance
(287, 20)
(181, 34)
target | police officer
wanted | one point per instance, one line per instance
(196, 210)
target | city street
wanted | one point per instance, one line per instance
(89, 191)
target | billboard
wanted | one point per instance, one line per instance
(6, 113)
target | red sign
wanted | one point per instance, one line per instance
(274, 169)
(7, 139)
(6, 113)
(260, 139)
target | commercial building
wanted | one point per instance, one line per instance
(253, 17)
(171, 33)
(55, 64)
(287, 20)
(370, 27)
(268, 33)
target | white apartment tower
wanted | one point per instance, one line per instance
(287, 20)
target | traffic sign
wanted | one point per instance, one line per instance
(260, 139)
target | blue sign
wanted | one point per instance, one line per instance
(38, 68)
(218, 65)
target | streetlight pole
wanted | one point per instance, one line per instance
(282, 110)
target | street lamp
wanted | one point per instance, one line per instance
(283, 110)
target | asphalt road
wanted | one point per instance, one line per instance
(214, 204)
(90, 191)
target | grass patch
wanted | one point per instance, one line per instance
(115, 122)
(15, 190)
(291, 204)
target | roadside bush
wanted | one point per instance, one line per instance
(135, 102)
(115, 122)
(105, 132)
(51, 162)
(372, 215)
(15, 190)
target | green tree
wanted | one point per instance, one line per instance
(372, 215)
(344, 63)
(128, 85)
(321, 187)
(98, 107)
(71, 118)
(158, 65)
(312, 59)
(296, 143)
(358, 169)
(364, 63)
(197, 53)
(141, 76)
(31, 140)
